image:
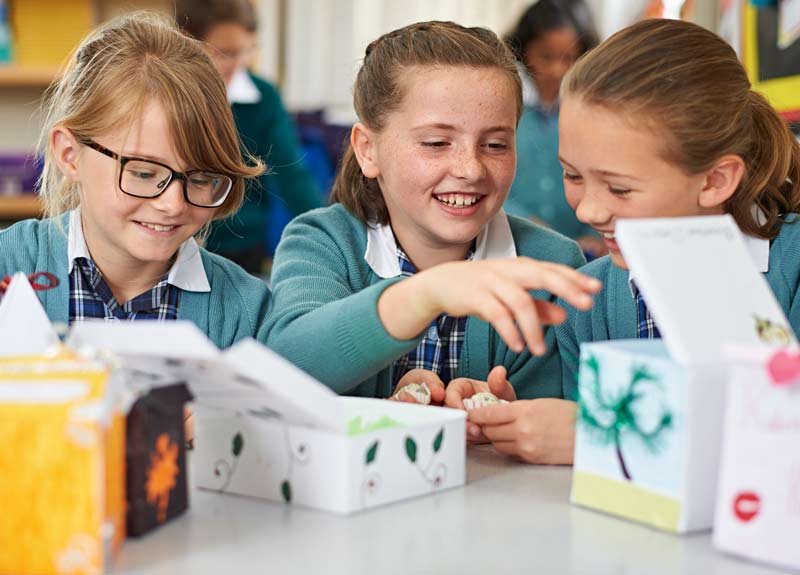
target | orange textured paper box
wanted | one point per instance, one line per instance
(60, 467)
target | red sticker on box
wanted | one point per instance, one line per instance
(746, 506)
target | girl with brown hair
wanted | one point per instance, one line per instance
(416, 265)
(661, 121)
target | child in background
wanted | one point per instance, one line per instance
(140, 154)
(661, 121)
(547, 40)
(382, 282)
(227, 29)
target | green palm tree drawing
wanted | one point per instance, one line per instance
(611, 416)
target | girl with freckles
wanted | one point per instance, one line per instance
(415, 274)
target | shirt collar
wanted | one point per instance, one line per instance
(494, 242)
(187, 273)
(242, 89)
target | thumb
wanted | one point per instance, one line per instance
(499, 384)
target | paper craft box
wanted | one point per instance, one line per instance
(650, 412)
(145, 353)
(758, 504)
(306, 446)
(61, 466)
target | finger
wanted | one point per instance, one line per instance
(474, 433)
(507, 448)
(560, 280)
(496, 414)
(495, 312)
(521, 306)
(550, 313)
(499, 385)
(460, 388)
(504, 432)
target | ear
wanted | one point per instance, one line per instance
(65, 152)
(721, 181)
(363, 141)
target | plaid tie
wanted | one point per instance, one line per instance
(646, 326)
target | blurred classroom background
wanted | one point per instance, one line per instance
(309, 49)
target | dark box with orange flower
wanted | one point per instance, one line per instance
(155, 459)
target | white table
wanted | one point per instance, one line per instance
(509, 518)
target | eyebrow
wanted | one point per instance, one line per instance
(450, 127)
(606, 173)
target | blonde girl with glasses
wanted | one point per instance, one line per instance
(140, 155)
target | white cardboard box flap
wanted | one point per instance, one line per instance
(25, 328)
(701, 285)
(298, 397)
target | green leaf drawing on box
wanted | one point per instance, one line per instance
(437, 441)
(611, 417)
(238, 444)
(357, 426)
(411, 449)
(286, 491)
(372, 452)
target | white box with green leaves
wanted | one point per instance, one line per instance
(309, 447)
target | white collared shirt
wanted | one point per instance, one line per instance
(187, 273)
(242, 89)
(494, 242)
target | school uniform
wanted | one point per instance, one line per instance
(266, 130)
(223, 300)
(619, 312)
(328, 274)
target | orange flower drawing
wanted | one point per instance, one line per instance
(161, 474)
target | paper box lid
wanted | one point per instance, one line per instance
(701, 285)
(295, 395)
(25, 328)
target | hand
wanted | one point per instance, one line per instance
(420, 376)
(496, 291)
(464, 387)
(534, 430)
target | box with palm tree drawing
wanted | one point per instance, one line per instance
(650, 412)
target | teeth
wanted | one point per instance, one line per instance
(458, 200)
(157, 227)
(608, 235)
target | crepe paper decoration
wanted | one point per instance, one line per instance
(772, 332)
(357, 425)
(784, 368)
(613, 417)
(237, 444)
(48, 281)
(161, 475)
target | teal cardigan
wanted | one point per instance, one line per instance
(325, 313)
(614, 313)
(266, 130)
(232, 310)
(538, 189)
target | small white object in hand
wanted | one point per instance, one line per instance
(482, 399)
(419, 391)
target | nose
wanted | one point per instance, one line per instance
(171, 201)
(468, 165)
(590, 208)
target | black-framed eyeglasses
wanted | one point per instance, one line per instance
(149, 179)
